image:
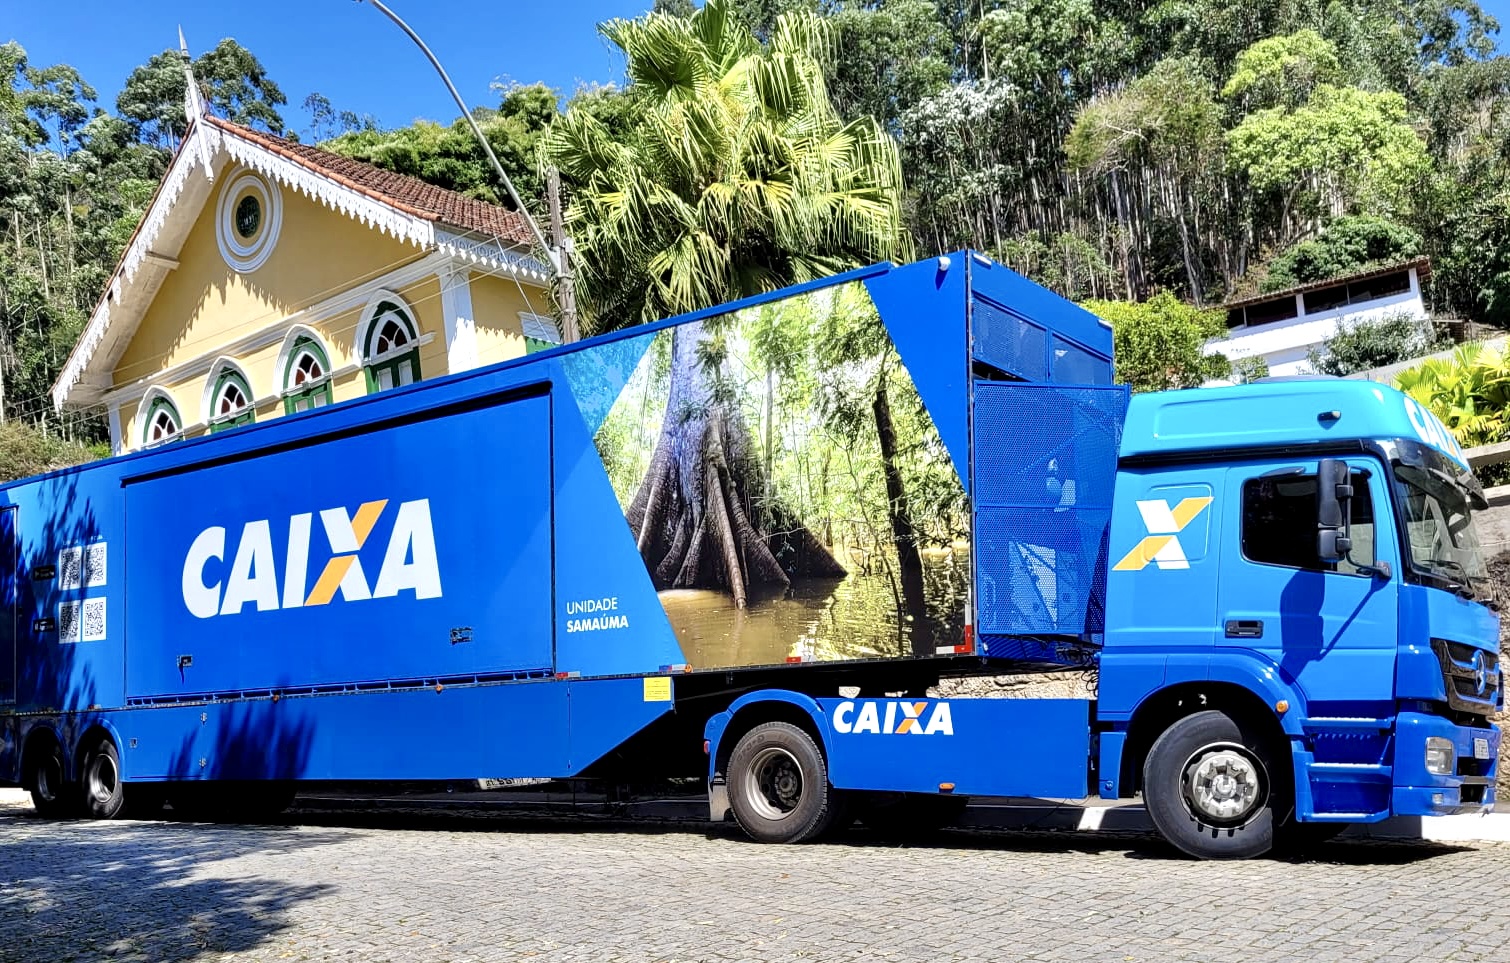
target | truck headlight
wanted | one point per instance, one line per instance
(1439, 756)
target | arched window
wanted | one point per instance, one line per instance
(390, 352)
(230, 401)
(162, 423)
(306, 376)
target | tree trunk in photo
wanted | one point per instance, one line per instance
(903, 533)
(694, 515)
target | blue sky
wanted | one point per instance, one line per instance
(346, 50)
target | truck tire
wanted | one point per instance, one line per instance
(53, 796)
(104, 792)
(1208, 788)
(778, 785)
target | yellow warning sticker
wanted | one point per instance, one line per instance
(657, 688)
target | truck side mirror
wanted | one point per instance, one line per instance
(1334, 495)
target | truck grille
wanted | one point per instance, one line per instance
(1472, 676)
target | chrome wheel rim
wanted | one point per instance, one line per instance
(49, 778)
(775, 786)
(104, 778)
(1224, 785)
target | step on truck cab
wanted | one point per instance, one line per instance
(745, 548)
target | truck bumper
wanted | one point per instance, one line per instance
(1469, 788)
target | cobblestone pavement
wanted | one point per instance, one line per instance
(473, 886)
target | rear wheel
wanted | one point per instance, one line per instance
(53, 795)
(104, 792)
(778, 785)
(1212, 788)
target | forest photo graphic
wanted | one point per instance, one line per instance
(787, 489)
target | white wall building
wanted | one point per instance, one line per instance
(1283, 327)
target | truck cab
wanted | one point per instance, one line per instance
(1299, 556)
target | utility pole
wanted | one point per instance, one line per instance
(566, 285)
(556, 254)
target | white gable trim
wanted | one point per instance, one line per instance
(208, 149)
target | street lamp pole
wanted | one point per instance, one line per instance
(557, 253)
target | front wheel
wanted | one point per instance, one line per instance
(778, 785)
(1212, 789)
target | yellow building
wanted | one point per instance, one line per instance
(269, 277)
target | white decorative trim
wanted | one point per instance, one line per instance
(490, 253)
(204, 149)
(286, 352)
(540, 327)
(460, 322)
(117, 442)
(370, 316)
(188, 160)
(244, 258)
(144, 408)
(206, 402)
(332, 193)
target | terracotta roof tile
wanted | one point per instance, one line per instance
(408, 194)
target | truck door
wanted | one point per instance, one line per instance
(8, 587)
(1331, 627)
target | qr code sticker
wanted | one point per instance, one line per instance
(94, 620)
(71, 568)
(69, 622)
(94, 565)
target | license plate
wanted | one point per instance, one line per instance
(1480, 748)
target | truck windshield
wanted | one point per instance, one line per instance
(1439, 526)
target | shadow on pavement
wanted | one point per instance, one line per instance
(1135, 845)
(132, 891)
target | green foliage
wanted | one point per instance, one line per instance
(449, 155)
(1373, 344)
(233, 81)
(26, 450)
(1347, 245)
(1160, 343)
(1283, 71)
(1345, 145)
(736, 175)
(1469, 392)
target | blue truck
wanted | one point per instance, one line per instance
(747, 546)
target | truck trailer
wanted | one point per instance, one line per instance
(762, 545)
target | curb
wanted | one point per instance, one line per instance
(1016, 814)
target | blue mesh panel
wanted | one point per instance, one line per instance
(1045, 465)
(1009, 342)
(1073, 365)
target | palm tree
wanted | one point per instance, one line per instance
(736, 176)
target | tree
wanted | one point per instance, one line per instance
(449, 156)
(1283, 71)
(1374, 343)
(675, 8)
(1345, 246)
(1160, 344)
(1348, 148)
(737, 177)
(234, 83)
(325, 122)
